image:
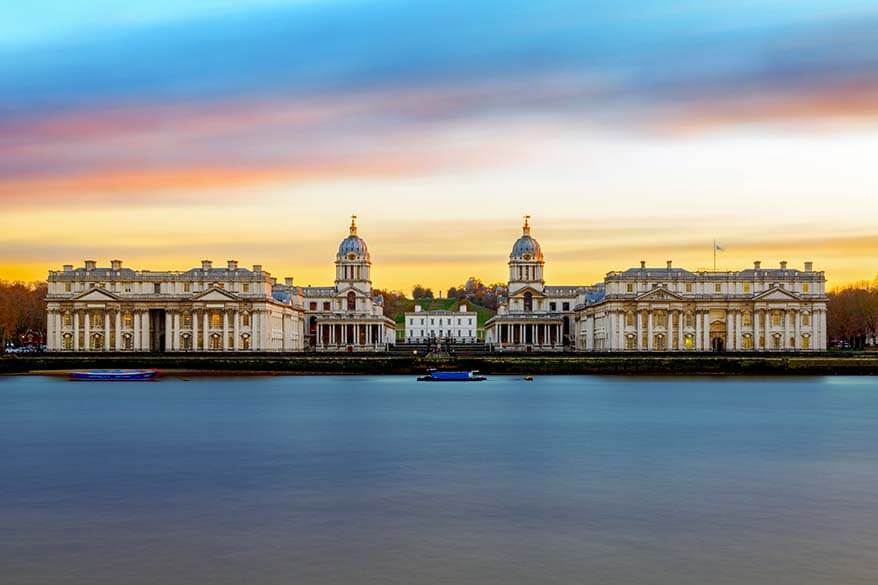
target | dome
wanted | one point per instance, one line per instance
(353, 244)
(526, 245)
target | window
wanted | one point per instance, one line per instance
(629, 287)
(565, 306)
(688, 287)
(216, 320)
(748, 342)
(245, 287)
(97, 319)
(806, 342)
(157, 287)
(67, 287)
(690, 320)
(68, 320)
(528, 302)
(629, 319)
(245, 341)
(776, 318)
(747, 319)
(187, 287)
(806, 319)
(186, 320)
(67, 342)
(718, 287)
(805, 287)
(746, 287)
(688, 342)
(127, 320)
(659, 343)
(553, 306)
(660, 319)
(326, 306)
(352, 301)
(312, 306)
(630, 343)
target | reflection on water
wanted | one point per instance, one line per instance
(383, 480)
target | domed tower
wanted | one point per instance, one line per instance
(526, 262)
(352, 263)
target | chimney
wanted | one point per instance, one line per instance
(257, 268)
(68, 268)
(273, 281)
(670, 264)
(116, 265)
(642, 264)
(757, 265)
(462, 308)
(783, 265)
(809, 267)
(417, 308)
(90, 265)
(206, 265)
(233, 264)
(288, 281)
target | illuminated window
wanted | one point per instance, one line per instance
(245, 319)
(127, 320)
(659, 343)
(661, 319)
(97, 319)
(746, 287)
(245, 287)
(748, 342)
(718, 287)
(68, 320)
(776, 317)
(806, 342)
(688, 342)
(245, 341)
(806, 319)
(629, 319)
(805, 287)
(186, 320)
(629, 287)
(67, 287)
(630, 342)
(67, 342)
(216, 320)
(747, 319)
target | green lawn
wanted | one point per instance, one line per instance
(483, 313)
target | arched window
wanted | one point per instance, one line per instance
(352, 301)
(528, 302)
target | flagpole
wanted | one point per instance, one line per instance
(714, 255)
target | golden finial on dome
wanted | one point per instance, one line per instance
(526, 227)
(353, 225)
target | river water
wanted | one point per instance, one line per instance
(383, 480)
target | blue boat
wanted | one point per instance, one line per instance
(114, 375)
(452, 376)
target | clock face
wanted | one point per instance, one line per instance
(352, 256)
(527, 256)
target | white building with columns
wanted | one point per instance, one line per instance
(672, 309)
(204, 309)
(533, 316)
(348, 316)
(460, 326)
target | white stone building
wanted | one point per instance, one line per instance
(672, 309)
(202, 309)
(533, 316)
(459, 326)
(348, 316)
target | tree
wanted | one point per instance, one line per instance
(394, 301)
(22, 307)
(852, 313)
(421, 292)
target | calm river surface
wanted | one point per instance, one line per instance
(382, 480)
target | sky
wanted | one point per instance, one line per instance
(171, 131)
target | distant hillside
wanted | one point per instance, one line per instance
(483, 313)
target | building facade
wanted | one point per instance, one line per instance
(533, 316)
(459, 326)
(672, 309)
(115, 308)
(347, 316)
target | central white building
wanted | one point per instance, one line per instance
(459, 326)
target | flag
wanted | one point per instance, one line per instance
(717, 247)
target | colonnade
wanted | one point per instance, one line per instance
(546, 334)
(354, 334)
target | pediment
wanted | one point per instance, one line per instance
(660, 294)
(96, 295)
(519, 294)
(776, 294)
(216, 294)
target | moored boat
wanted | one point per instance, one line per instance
(114, 375)
(452, 376)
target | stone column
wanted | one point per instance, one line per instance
(756, 327)
(106, 330)
(75, 330)
(680, 324)
(135, 342)
(730, 330)
(194, 337)
(786, 329)
(739, 330)
(177, 331)
(169, 332)
(650, 345)
(236, 330)
(797, 321)
(145, 330)
(225, 344)
(87, 330)
(706, 330)
(206, 332)
(638, 322)
(118, 330)
(767, 325)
